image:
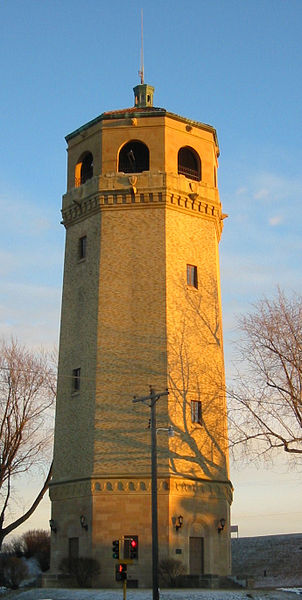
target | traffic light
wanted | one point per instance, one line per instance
(116, 549)
(134, 547)
(120, 572)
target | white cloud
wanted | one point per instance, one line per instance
(240, 191)
(276, 220)
(266, 188)
(276, 187)
(263, 193)
(30, 313)
(7, 262)
(23, 216)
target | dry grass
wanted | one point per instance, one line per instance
(279, 556)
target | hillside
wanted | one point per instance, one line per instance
(270, 559)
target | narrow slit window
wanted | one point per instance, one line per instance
(76, 379)
(192, 276)
(82, 247)
(196, 412)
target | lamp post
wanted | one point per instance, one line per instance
(151, 401)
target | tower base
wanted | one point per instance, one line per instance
(117, 508)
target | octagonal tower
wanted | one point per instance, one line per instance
(141, 306)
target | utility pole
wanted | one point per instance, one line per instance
(151, 401)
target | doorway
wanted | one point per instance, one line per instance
(196, 550)
(73, 548)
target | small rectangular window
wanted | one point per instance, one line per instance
(76, 379)
(82, 247)
(192, 276)
(196, 413)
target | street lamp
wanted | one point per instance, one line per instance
(151, 401)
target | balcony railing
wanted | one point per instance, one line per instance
(190, 173)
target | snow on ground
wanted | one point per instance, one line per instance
(183, 594)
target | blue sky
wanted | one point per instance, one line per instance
(234, 64)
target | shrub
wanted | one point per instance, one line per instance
(36, 543)
(83, 568)
(13, 571)
(14, 547)
(2, 577)
(169, 570)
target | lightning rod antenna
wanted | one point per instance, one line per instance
(141, 71)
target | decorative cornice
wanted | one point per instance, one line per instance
(141, 485)
(110, 485)
(120, 192)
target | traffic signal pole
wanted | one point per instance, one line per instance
(151, 401)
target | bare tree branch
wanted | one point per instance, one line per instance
(268, 385)
(27, 393)
(4, 531)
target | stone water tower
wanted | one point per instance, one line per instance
(141, 306)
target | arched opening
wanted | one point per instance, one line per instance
(84, 169)
(189, 163)
(133, 157)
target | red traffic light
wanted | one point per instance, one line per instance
(121, 572)
(134, 547)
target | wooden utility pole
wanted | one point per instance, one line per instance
(151, 401)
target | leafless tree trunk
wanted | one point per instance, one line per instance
(265, 406)
(27, 393)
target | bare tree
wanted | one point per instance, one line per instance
(27, 392)
(265, 407)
